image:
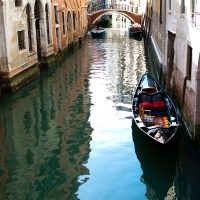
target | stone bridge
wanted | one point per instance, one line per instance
(129, 11)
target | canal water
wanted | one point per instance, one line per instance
(69, 135)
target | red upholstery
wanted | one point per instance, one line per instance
(146, 105)
(157, 104)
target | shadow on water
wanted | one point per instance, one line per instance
(158, 164)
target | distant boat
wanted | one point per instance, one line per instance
(98, 33)
(135, 30)
(153, 111)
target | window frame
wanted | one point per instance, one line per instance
(18, 3)
(182, 11)
(21, 40)
(170, 5)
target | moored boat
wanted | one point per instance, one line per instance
(98, 32)
(135, 30)
(153, 111)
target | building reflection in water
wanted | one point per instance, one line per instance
(158, 165)
(45, 134)
(187, 178)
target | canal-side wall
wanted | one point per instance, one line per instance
(156, 62)
(175, 54)
(11, 84)
(34, 34)
(185, 100)
(185, 24)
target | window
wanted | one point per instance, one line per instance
(21, 41)
(63, 22)
(192, 2)
(18, 3)
(37, 9)
(47, 23)
(182, 6)
(170, 5)
(74, 20)
(189, 62)
(79, 22)
(56, 14)
(69, 22)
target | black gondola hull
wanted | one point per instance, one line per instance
(154, 112)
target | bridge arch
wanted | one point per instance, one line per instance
(92, 18)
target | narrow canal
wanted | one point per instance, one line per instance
(68, 134)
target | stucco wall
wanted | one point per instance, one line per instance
(3, 49)
(15, 19)
(187, 34)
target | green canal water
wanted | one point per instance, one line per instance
(68, 134)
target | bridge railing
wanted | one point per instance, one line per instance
(124, 7)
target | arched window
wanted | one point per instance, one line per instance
(74, 20)
(79, 22)
(29, 27)
(37, 9)
(47, 23)
(69, 21)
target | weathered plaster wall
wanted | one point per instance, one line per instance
(19, 66)
(187, 33)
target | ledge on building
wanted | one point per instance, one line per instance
(11, 84)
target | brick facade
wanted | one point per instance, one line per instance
(71, 23)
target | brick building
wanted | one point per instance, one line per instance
(69, 22)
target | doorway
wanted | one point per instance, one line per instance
(38, 14)
(170, 60)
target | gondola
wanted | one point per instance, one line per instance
(154, 112)
(135, 30)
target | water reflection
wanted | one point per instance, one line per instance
(158, 164)
(67, 135)
(45, 134)
(118, 60)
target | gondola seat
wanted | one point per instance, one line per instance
(154, 102)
